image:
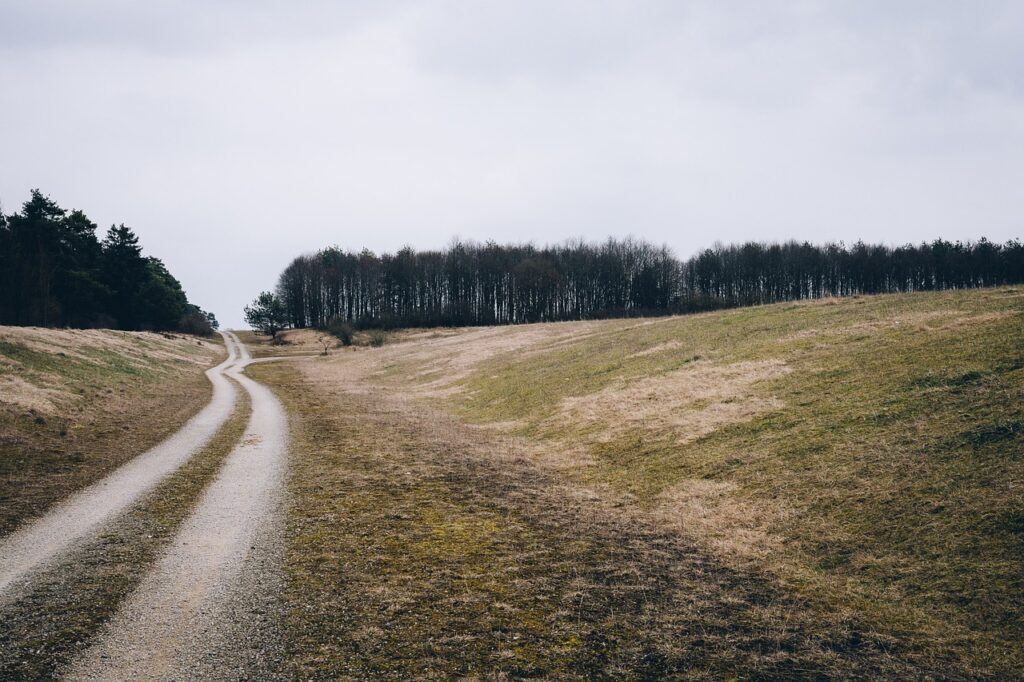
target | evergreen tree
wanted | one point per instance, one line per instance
(54, 272)
(266, 314)
(35, 255)
(82, 295)
(125, 272)
(160, 301)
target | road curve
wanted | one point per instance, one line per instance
(38, 542)
(201, 612)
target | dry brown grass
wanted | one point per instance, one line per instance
(690, 402)
(421, 547)
(141, 348)
(443, 361)
(654, 350)
(76, 404)
(20, 394)
(859, 456)
(733, 528)
(30, 382)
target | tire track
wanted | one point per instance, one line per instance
(66, 605)
(204, 609)
(39, 542)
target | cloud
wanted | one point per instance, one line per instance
(234, 135)
(172, 27)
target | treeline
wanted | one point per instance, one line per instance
(55, 272)
(484, 284)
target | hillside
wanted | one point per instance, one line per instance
(74, 404)
(831, 487)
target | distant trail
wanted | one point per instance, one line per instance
(36, 543)
(201, 612)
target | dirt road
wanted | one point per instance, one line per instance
(82, 514)
(203, 610)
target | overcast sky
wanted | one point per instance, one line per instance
(236, 134)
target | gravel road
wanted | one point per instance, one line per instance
(81, 515)
(205, 610)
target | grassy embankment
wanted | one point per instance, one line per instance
(75, 404)
(831, 487)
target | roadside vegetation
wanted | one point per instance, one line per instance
(838, 481)
(75, 404)
(303, 342)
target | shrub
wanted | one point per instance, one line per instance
(377, 338)
(326, 341)
(342, 330)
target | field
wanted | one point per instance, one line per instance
(821, 488)
(812, 490)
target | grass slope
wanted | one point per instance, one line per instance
(75, 404)
(884, 476)
(856, 460)
(419, 549)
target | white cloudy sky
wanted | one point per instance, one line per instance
(233, 135)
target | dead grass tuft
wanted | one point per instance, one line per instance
(732, 527)
(654, 350)
(22, 395)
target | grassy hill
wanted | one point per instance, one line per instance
(74, 404)
(846, 475)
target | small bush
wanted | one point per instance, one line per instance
(327, 342)
(377, 338)
(342, 330)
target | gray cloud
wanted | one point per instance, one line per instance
(234, 135)
(177, 26)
